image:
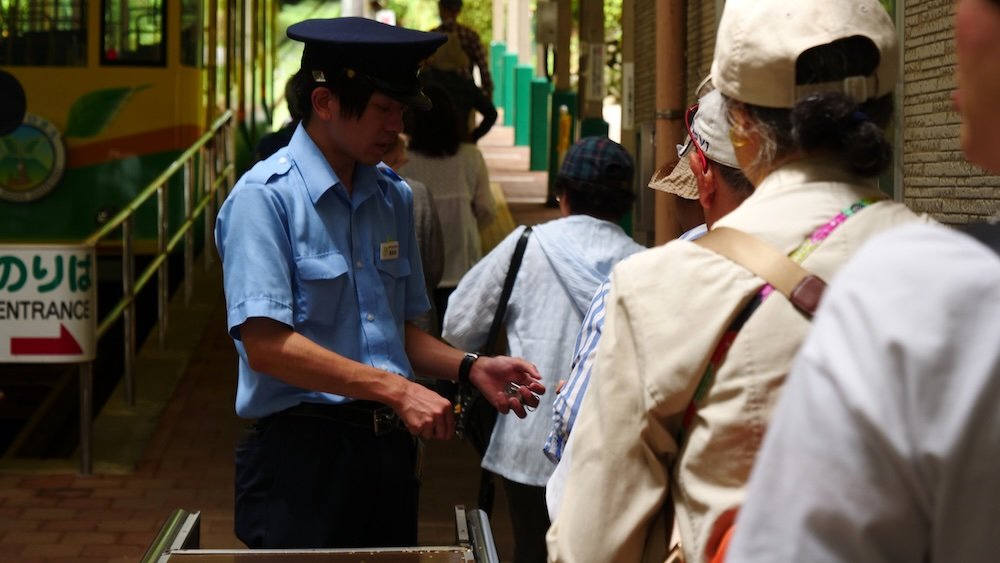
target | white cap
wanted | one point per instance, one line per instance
(711, 130)
(759, 42)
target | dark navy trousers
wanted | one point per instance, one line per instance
(313, 482)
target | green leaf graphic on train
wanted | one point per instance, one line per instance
(94, 111)
(25, 161)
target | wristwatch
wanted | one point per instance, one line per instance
(466, 366)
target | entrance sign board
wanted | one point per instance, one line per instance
(48, 304)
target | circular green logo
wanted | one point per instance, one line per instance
(32, 160)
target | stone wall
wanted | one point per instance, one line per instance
(701, 25)
(645, 61)
(936, 178)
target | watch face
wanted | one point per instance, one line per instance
(466, 366)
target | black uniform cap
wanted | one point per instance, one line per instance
(389, 58)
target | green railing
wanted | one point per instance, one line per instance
(212, 159)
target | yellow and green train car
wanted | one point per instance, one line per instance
(115, 91)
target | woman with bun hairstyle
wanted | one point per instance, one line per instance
(679, 403)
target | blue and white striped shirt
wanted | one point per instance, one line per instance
(570, 397)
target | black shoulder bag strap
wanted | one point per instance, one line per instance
(487, 488)
(986, 233)
(508, 287)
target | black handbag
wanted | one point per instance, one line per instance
(475, 416)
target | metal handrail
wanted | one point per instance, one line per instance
(182, 530)
(214, 179)
(151, 189)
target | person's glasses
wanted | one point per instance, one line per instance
(688, 124)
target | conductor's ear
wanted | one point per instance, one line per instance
(324, 103)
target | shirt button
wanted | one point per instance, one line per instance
(371, 317)
(359, 263)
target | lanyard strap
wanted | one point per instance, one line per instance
(726, 342)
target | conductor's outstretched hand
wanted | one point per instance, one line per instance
(510, 384)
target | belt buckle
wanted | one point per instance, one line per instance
(385, 420)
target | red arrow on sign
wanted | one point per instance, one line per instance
(65, 344)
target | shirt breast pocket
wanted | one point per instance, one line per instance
(394, 274)
(323, 280)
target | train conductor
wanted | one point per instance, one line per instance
(322, 276)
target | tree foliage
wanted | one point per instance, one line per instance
(423, 14)
(478, 14)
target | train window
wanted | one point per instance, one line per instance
(191, 32)
(134, 33)
(43, 33)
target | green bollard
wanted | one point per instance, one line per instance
(509, 64)
(497, 51)
(522, 105)
(541, 108)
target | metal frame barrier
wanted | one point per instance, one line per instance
(217, 175)
(179, 540)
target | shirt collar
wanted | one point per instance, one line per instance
(811, 170)
(319, 176)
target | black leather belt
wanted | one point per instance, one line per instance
(373, 416)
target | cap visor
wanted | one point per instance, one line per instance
(680, 181)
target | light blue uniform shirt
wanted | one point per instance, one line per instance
(341, 269)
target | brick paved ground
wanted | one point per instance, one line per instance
(188, 461)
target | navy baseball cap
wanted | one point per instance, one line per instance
(598, 160)
(387, 57)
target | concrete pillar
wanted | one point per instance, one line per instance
(591, 60)
(525, 40)
(564, 32)
(670, 37)
(352, 8)
(628, 127)
(513, 32)
(499, 13)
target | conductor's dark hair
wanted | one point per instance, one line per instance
(353, 93)
(292, 100)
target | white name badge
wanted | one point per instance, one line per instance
(389, 250)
